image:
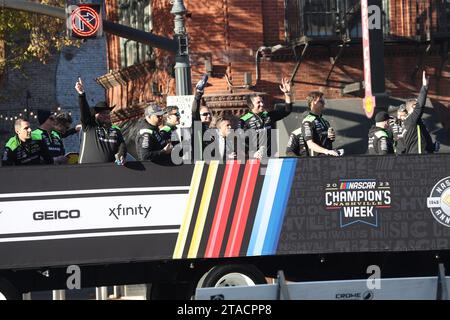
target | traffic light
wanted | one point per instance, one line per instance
(84, 21)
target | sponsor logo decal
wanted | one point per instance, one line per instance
(439, 202)
(367, 295)
(121, 211)
(56, 215)
(358, 200)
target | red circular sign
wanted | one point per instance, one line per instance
(85, 21)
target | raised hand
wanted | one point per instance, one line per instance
(79, 86)
(285, 86)
(425, 79)
(202, 83)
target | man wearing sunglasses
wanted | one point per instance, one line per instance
(171, 121)
(150, 145)
(205, 116)
(202, 114)
(416, 136)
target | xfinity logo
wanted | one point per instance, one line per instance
(56, 215)
(129, 211)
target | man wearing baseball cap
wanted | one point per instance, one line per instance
(380, 140)
(150, 144)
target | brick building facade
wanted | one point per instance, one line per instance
(228, 34)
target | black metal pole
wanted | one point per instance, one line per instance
(140, 36)
(182, 65)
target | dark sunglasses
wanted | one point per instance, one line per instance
(205, 114)
(176, 114)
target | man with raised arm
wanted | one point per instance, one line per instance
(100, 140)
(260, 122)
(416, 136)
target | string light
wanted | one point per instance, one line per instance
(10, 115)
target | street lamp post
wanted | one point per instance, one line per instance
(182, 65)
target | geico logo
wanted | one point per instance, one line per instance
(55, 215)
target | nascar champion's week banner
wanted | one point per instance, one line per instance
(284, 206)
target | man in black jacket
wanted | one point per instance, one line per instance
(48, 133)
(380, 140)
(23, 149)
(171, 121)
(397, 129)
(416, 136)
(316, 129)
(100, 141)
(296, 146)
(201, 120)
(150, 144)
(258, 122)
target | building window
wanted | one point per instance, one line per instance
(443, 19)
(326, 18)
(320, 17)
(135, 14)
